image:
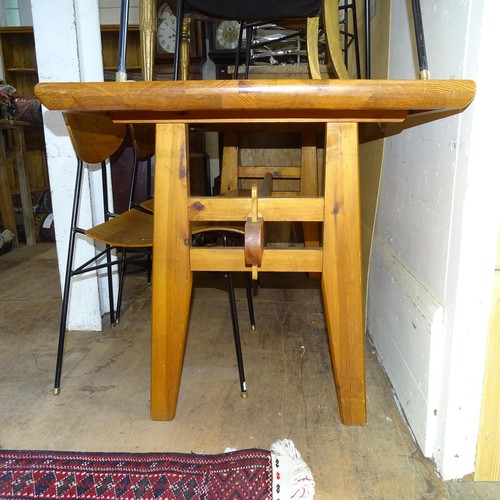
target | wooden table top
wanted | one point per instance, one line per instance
(259, 100)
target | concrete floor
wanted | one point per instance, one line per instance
(104, 402)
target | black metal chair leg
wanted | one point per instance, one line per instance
(109, 262)
(109, 271)
(122, 269)
(236, 334)
(64, 315)
(133, 181)
(248, 286)
(67, 278)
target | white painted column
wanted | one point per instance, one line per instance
(473, 238)
(435, 236)
(68, 45)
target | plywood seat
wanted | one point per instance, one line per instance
(131, 229)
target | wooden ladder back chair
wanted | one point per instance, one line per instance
(95, 138)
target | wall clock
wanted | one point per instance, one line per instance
(166, 35)
(225, 34)
(165, 31)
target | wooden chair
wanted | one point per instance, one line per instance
(95, 139)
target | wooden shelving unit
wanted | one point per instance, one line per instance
(17, 45)
(19, 58)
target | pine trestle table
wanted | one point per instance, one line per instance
(337, 107)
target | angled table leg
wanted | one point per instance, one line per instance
(341, 277)
(172, 277)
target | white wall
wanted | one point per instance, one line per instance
(72, 52)
(434, 240)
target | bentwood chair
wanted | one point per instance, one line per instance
(94, 143)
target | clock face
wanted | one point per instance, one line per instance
(227, 34)
(166, 36)
(165, 32)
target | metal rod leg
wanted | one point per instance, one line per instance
(248, 286)
(109, 270)
(236, 334)
(420, 40)
(122, 269)
(64, 314)
(67, 278)
(133, 181)
(238, 51)
(248, 50)
(109, 262)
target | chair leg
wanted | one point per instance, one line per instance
(248, 286)
(133, 181)
(122, 269)
(109, 262)
(64, 314)
(67, 278)
(236, 334)
(109, 272)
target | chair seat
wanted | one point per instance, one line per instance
(148, 205)
(131, 229)
(256, 10)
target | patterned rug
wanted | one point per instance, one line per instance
(249, 474)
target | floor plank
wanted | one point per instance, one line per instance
(104, 400)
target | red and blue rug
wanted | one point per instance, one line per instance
(248, 474)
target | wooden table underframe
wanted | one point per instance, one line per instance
(338, 106)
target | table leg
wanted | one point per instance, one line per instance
(172, 277)
(309, 186)
(341, 277)
(6, 205)
(24, 186)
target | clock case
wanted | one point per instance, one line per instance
(197, 44)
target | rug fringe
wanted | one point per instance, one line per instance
(292, 478)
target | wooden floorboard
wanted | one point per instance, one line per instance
(104, 400)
